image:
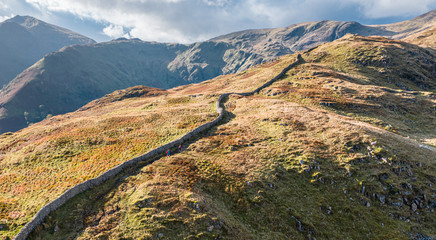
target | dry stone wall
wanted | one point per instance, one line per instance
(72, 192)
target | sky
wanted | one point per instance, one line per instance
(187, 21)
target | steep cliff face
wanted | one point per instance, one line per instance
(25, 39)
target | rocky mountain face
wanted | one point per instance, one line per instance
(24, 40)
(68, 79)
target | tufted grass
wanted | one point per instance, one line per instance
(252, 177)
(40, 162)
(282, 165)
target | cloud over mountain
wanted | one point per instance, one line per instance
(192, 20)
(392, 8)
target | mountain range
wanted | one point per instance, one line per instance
(65, 80)
(24, 40)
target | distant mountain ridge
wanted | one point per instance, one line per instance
(302, 36)
(68, 79)
(24, 40)
(410, 27)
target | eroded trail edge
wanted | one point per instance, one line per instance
(149, 156)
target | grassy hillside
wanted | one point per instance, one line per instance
(263, 175)
(40, 162)
(387, 83)
(425, 38)
(413, 26)
(340, 148)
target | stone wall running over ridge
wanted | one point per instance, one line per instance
(70, 193)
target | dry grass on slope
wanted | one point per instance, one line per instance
(386, 83)
(317, 154)
(69, 149)
(245, 81)
(274, 170)
(425, 38)
(42, 161)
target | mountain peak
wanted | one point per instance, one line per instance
(37, 26)
(25, 21)
(25, 39)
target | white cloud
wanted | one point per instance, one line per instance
(4, 18)
(193, 20)
(218, 3)
(394, 8)
(114, 31)
(3, 6)
(168, 20)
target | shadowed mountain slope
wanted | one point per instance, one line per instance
(24, 40)
(68, 79)
(426, 38)
(341, 147)
(415, 25)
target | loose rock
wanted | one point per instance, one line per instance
(414, 207)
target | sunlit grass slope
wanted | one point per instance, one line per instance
(387, 83)
(334, 150)
(425, 38)
(42, 161)
(275, 170)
